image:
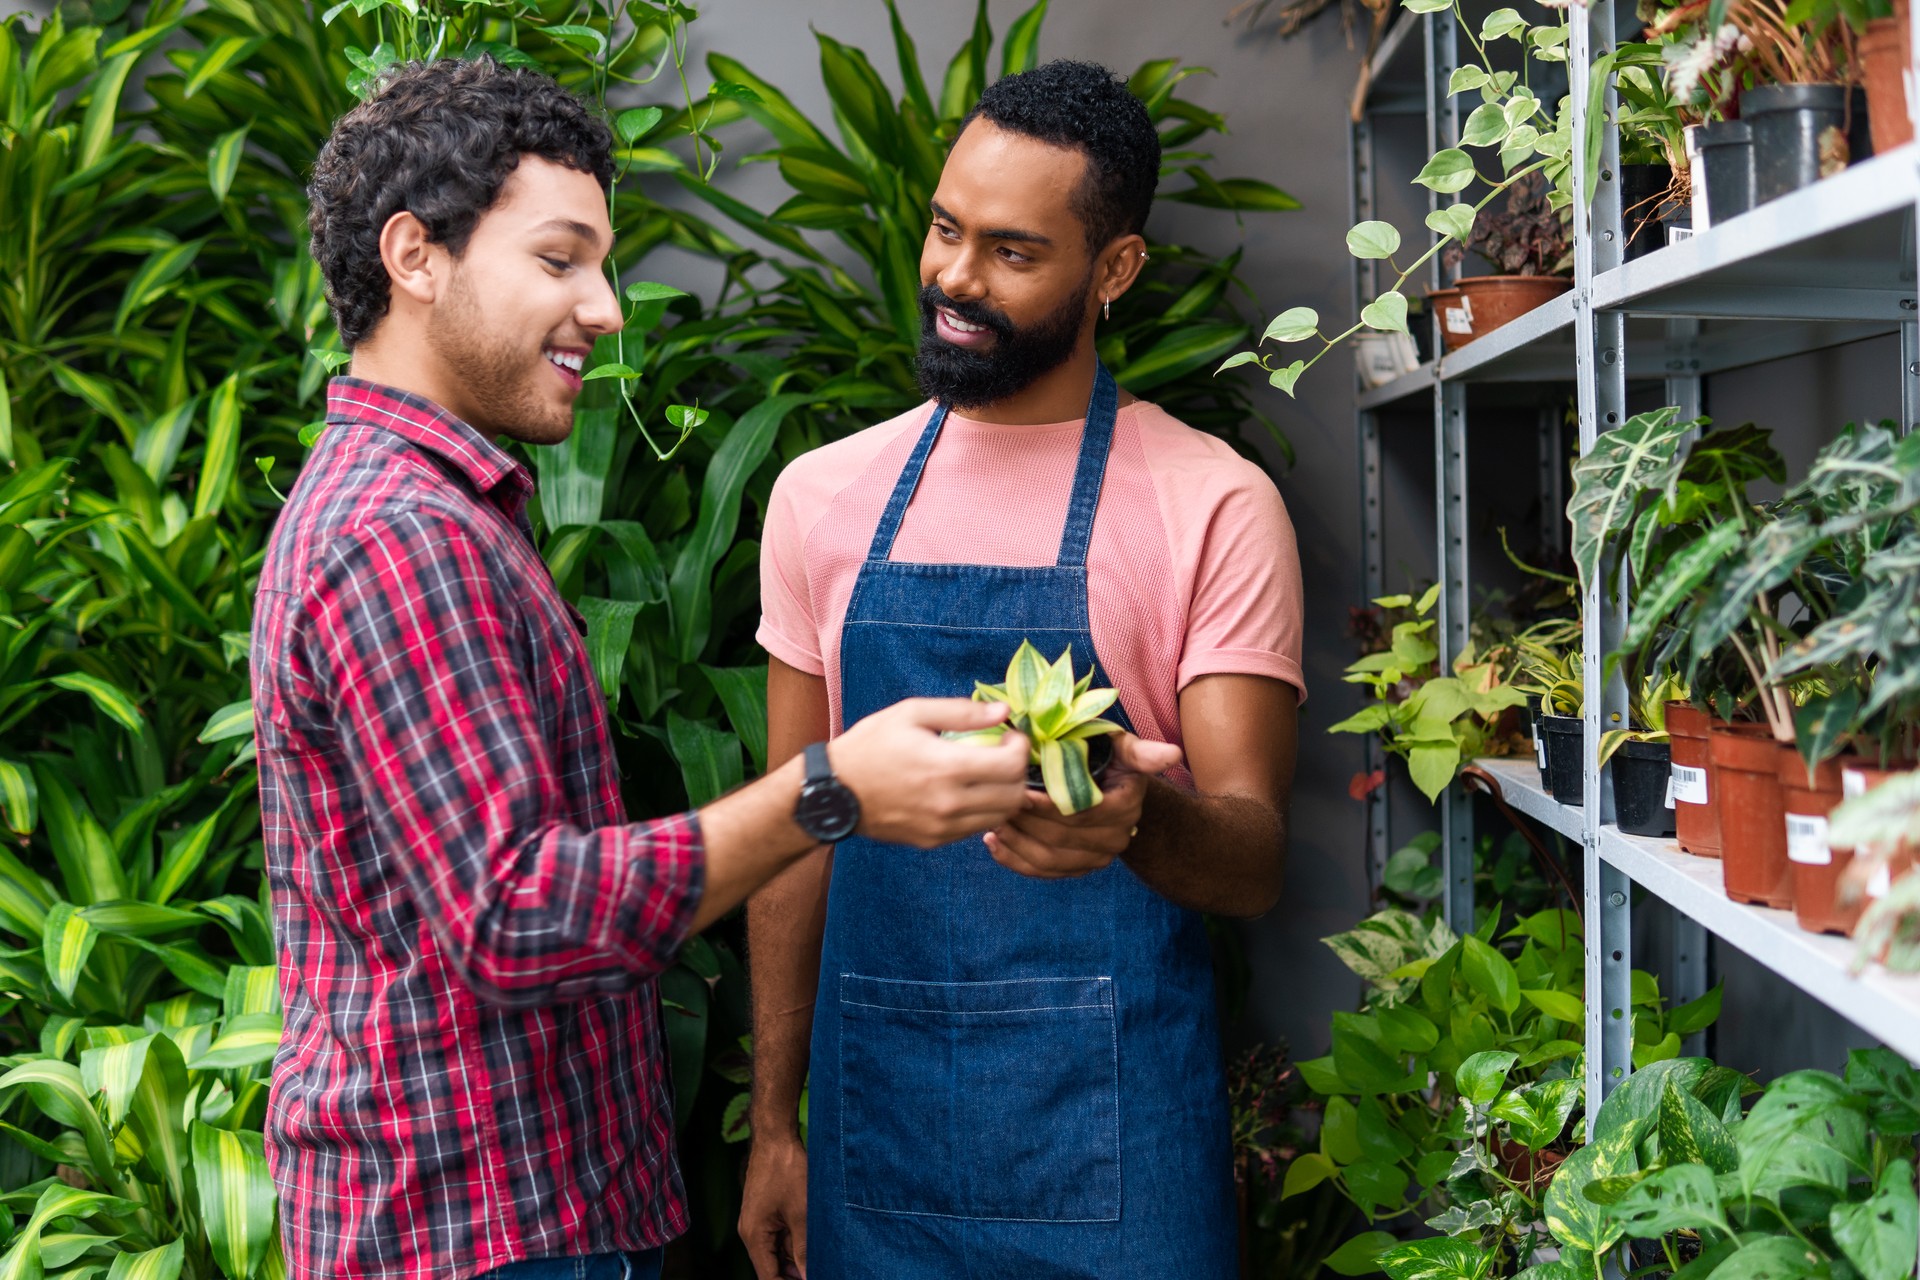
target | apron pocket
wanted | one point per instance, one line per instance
(981, 1099)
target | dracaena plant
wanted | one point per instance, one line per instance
(1059, 715)
(1517, 132)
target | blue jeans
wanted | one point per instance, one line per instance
(599, 1266)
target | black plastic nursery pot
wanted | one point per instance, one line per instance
(1566, 742)
(1799, 135)
(1099, 756)
(1642, 800)
(1643, 189)
(1725, 184)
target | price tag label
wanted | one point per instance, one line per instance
(1807, 839)
(1880, 881)
(1852, 783)
(1458, 319)
(1689, 784)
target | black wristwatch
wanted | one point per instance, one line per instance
(826, 810)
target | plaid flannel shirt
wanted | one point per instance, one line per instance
(473, 1069)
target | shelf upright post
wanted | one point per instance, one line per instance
(1909, 369)
(1687, 940)
(1910, 330)
(1601, 392)
(1450, 483)
(1360, 200)
(1450, 493)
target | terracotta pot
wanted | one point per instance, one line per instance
(1491, 301)
(1883, 59)
(1857, 779)
(1816, 866)
(1753, 820)
(1696, 822)
(1456, 322)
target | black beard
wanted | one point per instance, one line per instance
(1019, 357)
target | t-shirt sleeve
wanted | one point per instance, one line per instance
(788, 629)
(1245, 612)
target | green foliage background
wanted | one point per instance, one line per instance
(164, 341)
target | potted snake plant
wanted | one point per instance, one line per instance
(1062, 718)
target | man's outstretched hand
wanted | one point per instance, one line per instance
(1041, 842)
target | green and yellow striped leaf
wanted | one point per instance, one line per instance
(223, 448)
(236, 1197)
(111, 700)
(230, 721)
(89, 868)
(155, 1264)
(59, 1249)
(113, 1071)
(223, 161)
(158, 1114)
(1069, 782)
(56, 1089)
(67, 940)
(23, 897)
(186, 855)
(246, 1041)
(1025, 676)
(60, 1033)
(160, 269)
(252, 989)
(139, 919)
(218, 57)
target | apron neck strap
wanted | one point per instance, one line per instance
(1089, 472)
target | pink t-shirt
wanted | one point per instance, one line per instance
(1192, 569)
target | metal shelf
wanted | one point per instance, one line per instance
(1883, 1004)
(1839, 250)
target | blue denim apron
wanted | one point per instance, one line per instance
(1011, 1077)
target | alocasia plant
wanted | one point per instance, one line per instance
(1059, 715)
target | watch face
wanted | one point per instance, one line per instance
(827, 811)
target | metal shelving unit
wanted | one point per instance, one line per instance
(1831, 264)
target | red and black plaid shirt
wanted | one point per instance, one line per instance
(473, 1070)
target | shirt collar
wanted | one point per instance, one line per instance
(425, 424)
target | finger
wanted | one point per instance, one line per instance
(1140, 756)
(761, 1252)
(797, 1246)
(952, 715)
(1012, 861)
(1050, 858)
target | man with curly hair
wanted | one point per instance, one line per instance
(472, 1077)
(1009, 1044)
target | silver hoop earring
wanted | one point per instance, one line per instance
(1106, 308)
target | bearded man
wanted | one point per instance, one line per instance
(472, 1076)
(1014, 1061)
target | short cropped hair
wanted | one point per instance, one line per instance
(1086, 107)
(438, 140)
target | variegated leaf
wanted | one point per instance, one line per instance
(236, 1197)
(67, 941)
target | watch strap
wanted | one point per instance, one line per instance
(818, 767)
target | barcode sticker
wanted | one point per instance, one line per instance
(1676, 234)
(1689, 784)
(1880, 881)
(1807, 839)
(1852, 783)
(1458, 319)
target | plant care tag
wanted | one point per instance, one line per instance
(1668, 802)
(1539, 749)
(1852, 783)
(1807, 839)
(1880, 881)
(1689, 784)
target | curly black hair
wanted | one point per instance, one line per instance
(1087, 107)
(438, 140)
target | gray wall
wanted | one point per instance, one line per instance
(1285, 103)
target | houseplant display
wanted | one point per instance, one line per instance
(1434, 722)
(1454, 1092)
(1061, 717)
(1509, 125)
(1528, 242)
(1642, 759)
(1549, 671)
